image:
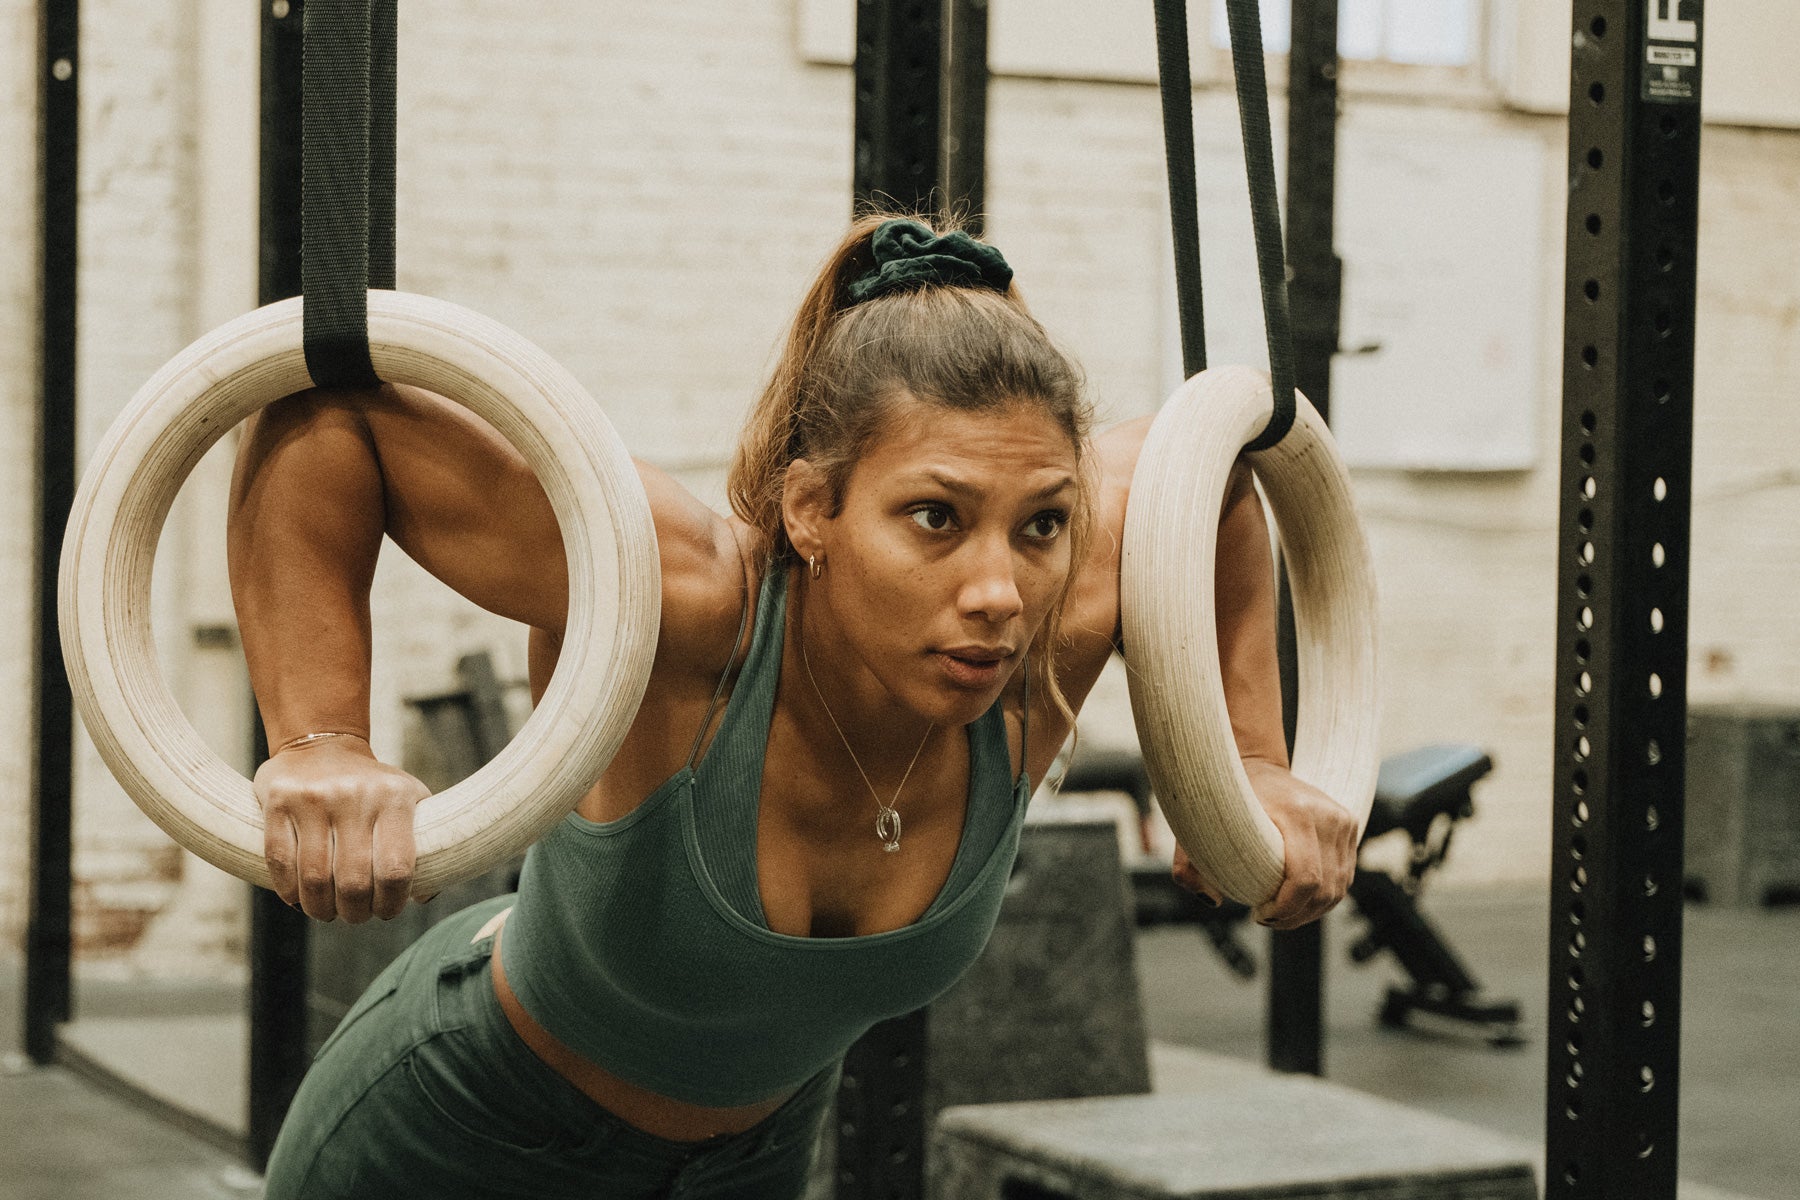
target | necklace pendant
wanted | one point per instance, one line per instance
(887, 828)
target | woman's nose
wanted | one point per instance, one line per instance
(991, 589)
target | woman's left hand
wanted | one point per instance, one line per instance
(1319, 840)
(1319, 837)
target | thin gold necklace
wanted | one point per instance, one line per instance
(887, 820)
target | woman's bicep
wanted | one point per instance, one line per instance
(1244, 590)
(464, 504)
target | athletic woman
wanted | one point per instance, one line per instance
(861, 676)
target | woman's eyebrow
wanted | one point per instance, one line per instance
(951, 483)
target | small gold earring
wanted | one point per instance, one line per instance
(818, 568)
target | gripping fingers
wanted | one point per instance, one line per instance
(352, 874)
(1301, 897)
(393, 858)
(318, 894)
(281, 850)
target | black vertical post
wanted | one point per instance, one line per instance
(964, 116)
(48, 925)
(921, 145)
(1621, 660)
(48, 938)
(1295, 1034)
(278, 934)
(899, 110)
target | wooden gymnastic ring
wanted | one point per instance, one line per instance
(604, 514)
(1171, 636)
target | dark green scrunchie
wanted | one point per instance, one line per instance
(908, 255)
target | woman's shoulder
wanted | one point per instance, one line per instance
(707, 579)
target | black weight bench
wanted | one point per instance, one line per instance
(1424, 792)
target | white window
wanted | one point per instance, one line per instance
(1426, 33)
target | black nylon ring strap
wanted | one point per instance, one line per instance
(347, 181)
(1259, 160)
(1176, 77)
(1245, 20)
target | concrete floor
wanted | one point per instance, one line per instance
(66, 1139)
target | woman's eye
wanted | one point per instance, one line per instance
(1045, 525)
(932, 517)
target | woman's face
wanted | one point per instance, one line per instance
(951, 544)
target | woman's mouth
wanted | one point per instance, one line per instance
(972, 670)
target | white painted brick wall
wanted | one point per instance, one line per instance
(18, 421)
(645, 190)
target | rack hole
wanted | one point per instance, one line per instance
(1590, 355)
(1646, 1078)
(1650, 889)
(1581, 812)
(1595, 157)
(1587, 456)
(1585, 518)
(1593, 219)
(1652, 819)
(1664, 322)
(1648, 1014)
(1597, 93)
(1582, 650)
(1598, 27)
(1591, 289)
(1649, 948)
(1581, 715)
(1660, 489)
(1653, 752)
(1665, 192)
(1587, 555)
(1590, 487)
(1583, 584)
(1582, 749)
(1655, 686)
(1658, 555)
(1656, 620)
(1584, 683)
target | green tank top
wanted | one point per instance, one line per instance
(641, 943)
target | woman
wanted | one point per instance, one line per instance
(859, 679)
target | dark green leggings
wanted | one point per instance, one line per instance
(425, 1090)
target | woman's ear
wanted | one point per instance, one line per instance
(805, 507)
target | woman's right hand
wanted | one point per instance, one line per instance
(338, 830)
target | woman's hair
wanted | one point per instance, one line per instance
(846, 365)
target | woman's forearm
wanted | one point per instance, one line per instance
(1244, 592)
(305, 525)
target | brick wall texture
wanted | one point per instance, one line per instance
(644, 189)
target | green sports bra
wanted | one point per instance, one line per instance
(641, 943)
